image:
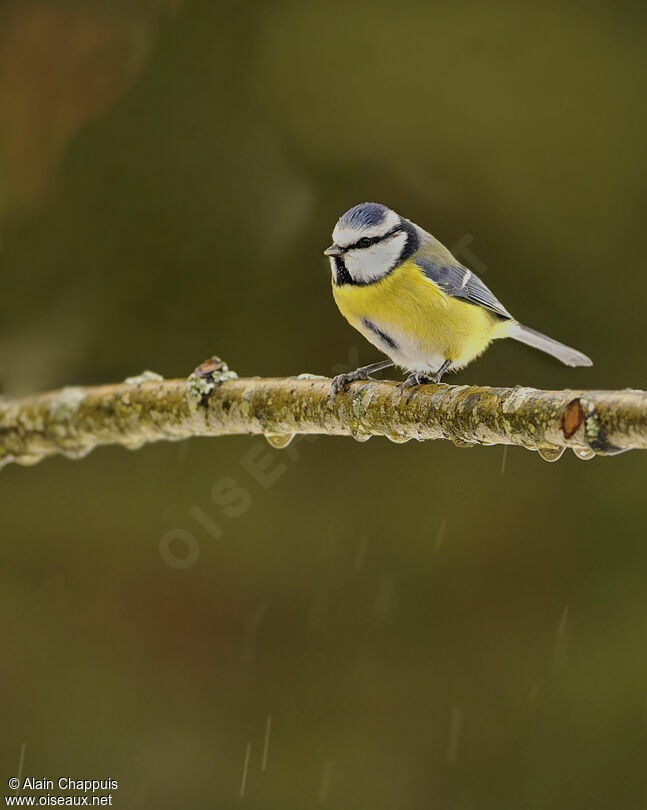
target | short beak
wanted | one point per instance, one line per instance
(333, 250)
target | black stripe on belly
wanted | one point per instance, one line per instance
(386, 339)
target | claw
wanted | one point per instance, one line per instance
(419, 378)
(362, 373)
(423, 377)
(342, 380)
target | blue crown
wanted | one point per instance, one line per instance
(364, 215)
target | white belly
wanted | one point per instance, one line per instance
(404, 350)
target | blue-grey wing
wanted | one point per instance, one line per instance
(459, 282)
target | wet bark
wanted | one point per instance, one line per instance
(211, 402)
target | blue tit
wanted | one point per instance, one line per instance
(409, 297)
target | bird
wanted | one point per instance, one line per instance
(406, 293)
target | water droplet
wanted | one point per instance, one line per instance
(279, 440)
(584, 453)
(551, 453)
(393, 437)
(130, 444)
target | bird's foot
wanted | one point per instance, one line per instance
(419, 378)
(424, 377)
(342, 380)
(364, 373)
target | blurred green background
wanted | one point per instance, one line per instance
(425, 626)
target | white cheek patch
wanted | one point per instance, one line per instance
(370, 264)
(346, 235)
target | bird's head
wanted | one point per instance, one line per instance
(369, 240)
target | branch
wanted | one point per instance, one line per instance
(212, 402)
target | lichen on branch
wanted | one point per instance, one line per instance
(214, 402)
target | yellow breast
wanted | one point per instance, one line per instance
(423, 321)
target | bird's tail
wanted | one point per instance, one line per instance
(571, 357)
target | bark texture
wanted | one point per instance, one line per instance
(212, 402)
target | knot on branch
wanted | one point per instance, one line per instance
(205, 378)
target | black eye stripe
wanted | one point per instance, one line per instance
(367, 241)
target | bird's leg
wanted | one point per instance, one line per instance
(363, 373)
(422, 377)
(439, 374)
